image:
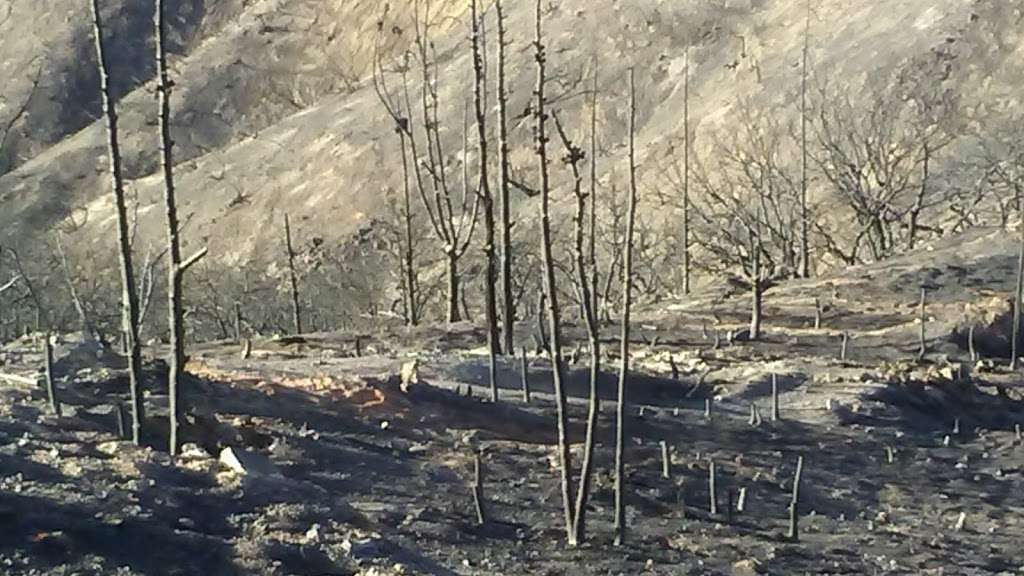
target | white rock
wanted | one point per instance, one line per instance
(247, 463)
(410, 374)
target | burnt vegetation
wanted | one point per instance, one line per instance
(629, 307)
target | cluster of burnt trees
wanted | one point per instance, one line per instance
(899, 166)
(897, 163)
(773, 196)
(135, 295)
(746, 208)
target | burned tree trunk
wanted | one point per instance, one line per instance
(574, 155)
(756, 308)
(686, 178)
(551, 288)
(176, 268)
(453, 314)
(627, 302)
(805, 242)
(292, 277)
(592, 244)
(487, 200)
(408, 254)
(129, 296)
(478, 489)
(923, 319)
(794, 503)
(1015, 338)
(508, 314)
(51, 387)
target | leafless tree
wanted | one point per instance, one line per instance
(393, 105)
(293, 278)
(486, 198)
(550, 287)
(88, 330)
(749, 209)
(878, 158)
(574, 156)
(592, 227)
(627, 302)
(452, 217)
(805, 215)
(129, 296)
(176, 268)
(687, 147)
(504, 191)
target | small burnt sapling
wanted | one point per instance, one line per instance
(51, 390)
(524, 372)
(775, 398)
(923, 320)
(478, 489)
(712, 488)
(794, 503)
(666, 461)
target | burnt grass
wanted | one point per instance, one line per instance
(374, 480)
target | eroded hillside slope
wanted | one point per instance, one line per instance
(274, 108)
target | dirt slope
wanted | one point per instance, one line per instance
(274, 110)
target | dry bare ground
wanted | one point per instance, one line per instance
(909, 467)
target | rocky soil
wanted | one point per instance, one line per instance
(311, 457)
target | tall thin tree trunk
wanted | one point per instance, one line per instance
(129, 296)
(686, 178)
(555, 344)
(409, 255)
(575, 156)
(508, 305)
(491, 265)
(627, 302)
(922, 194)
(292, 277)
(805, 242)
(922, 352)
(453, 314)
(174, 305)
(1015, 338)
(592, 243)
(756, 308)
(87, 328)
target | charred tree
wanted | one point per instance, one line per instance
(129, 296)
(805, 242)
(452, 219)
(508, 314)
(1017, 296)
(686, 178)
(176, 268)
(794, 503)
(550, 286)
(487, 201)
(412, 306)
(627, 302)
(51, 387)
(592, 243)
(293, 278)
(573, 157)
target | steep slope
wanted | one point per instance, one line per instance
(47, 56)
(274, 111)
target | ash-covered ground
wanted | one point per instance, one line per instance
(311, 457)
